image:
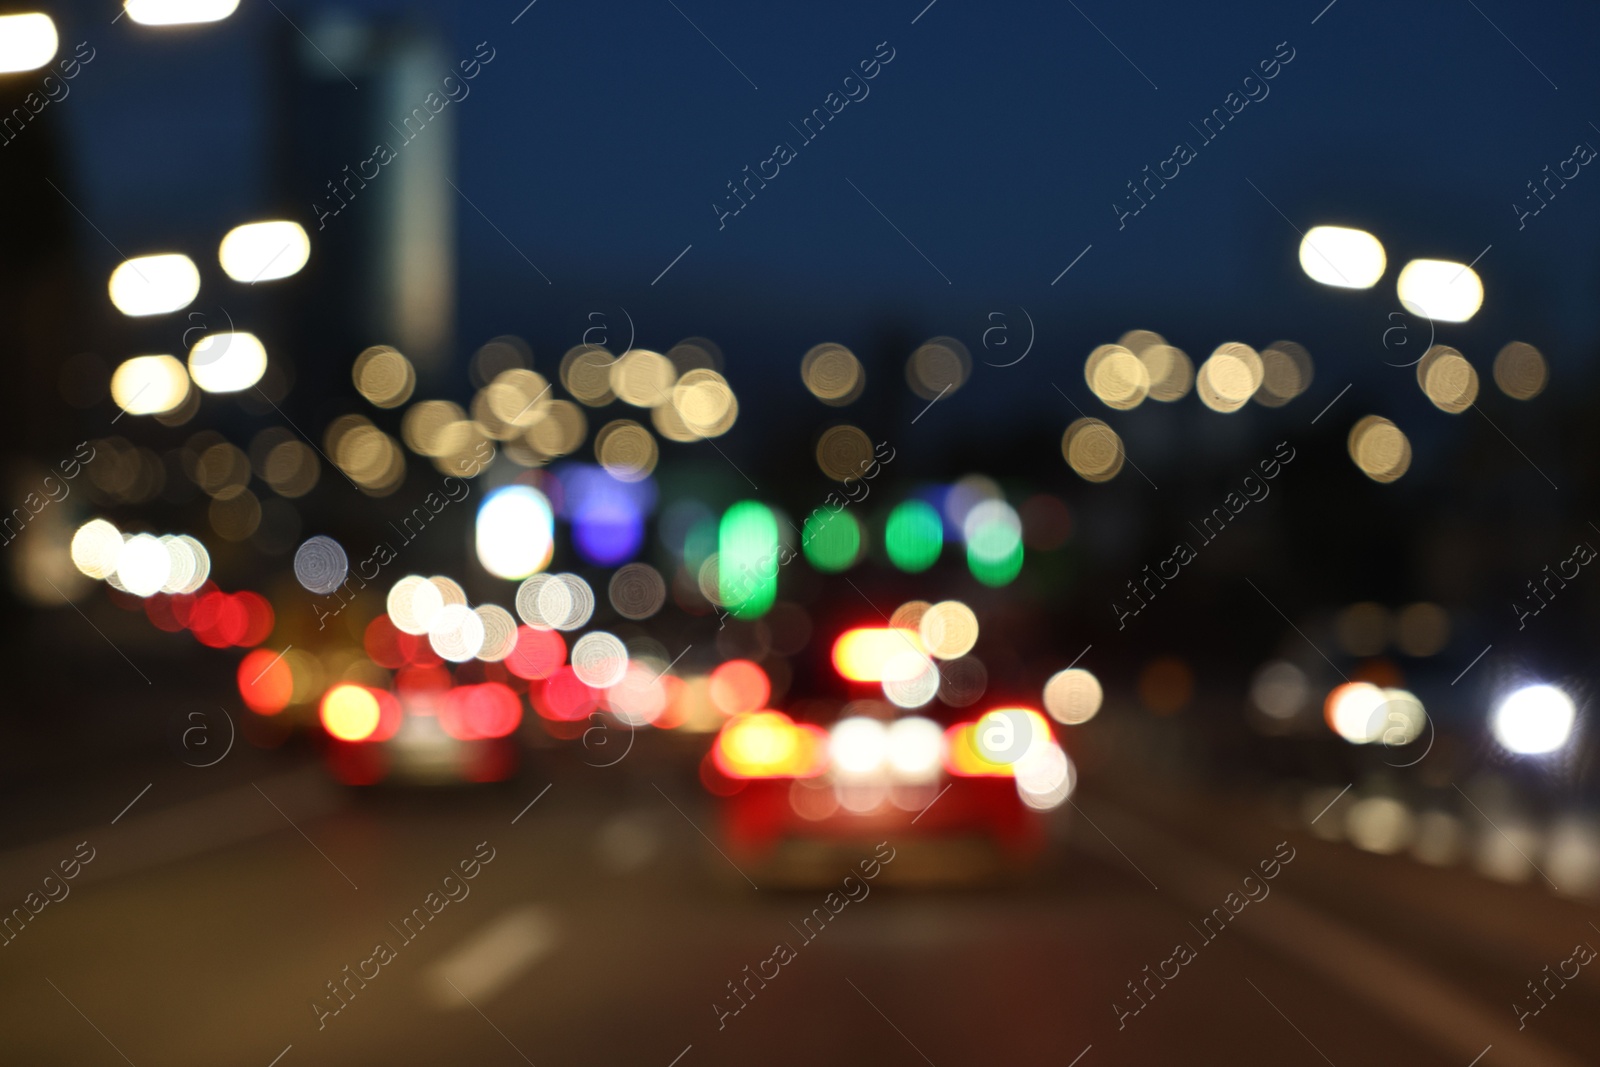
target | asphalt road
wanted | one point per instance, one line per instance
(605, 928)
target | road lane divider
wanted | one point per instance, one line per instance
(492, 958)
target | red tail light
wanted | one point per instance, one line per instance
(989, 746)
(768, 744)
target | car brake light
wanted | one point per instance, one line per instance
(992, 745)
(961, 756)
(768, 744)
(350, 712)
(873, 653)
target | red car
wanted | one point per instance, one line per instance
(958, 803)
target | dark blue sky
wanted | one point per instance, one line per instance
(997, 141)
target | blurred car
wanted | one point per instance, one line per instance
(424, 734)
(962, 802)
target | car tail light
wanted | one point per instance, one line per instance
(992, 745)
(349, 712)
(359, 713)
(479, 712)
(961, 756)
(768, 744)
(873, 653)
(266, 681)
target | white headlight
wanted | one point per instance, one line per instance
(1534, 720)
(1045, 777)
(916, 748)
(858, 745)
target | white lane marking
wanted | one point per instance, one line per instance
(490, 959)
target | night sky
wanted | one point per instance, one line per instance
(991, 151)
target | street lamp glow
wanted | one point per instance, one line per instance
(1533, 720)
(1353, 709)
(178, 12)
(1342, 257)
(515, 532)
(264, 251)
(27, 42)
(149, 385)
(154, 285)
(227, 362)
(1440, 290)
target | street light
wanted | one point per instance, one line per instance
(1534, 720)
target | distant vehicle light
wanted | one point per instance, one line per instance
(858, 745)
(1440, 290)
(1403, 720)
(149, 385)
(1534, 720)
(537, 654)
(154, 285)
(186, 555)
(264, 251)
(499, 632)
(599, 659)
(1361, 713)
(1280, 690)
(961, 756)
(350, 712)
(455, 633)
(515, 532)
(1354, 712)
(738, 686)
(949, 629)
(389, 714)
(178, 12)
(27, 42)
(1007, 735)
(219, 619)
(227, 362)
(768, 744)
(479, 712)
(640, 697)
(997, 743)
(870, 653)
(1045, 778)
(258, 617)
(144, 565)
(565, 697)
(412, 603)
(1342, 257)
(916, 748)
(266, 681)
(1073, 696)
(96, 548)
(910, 679)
